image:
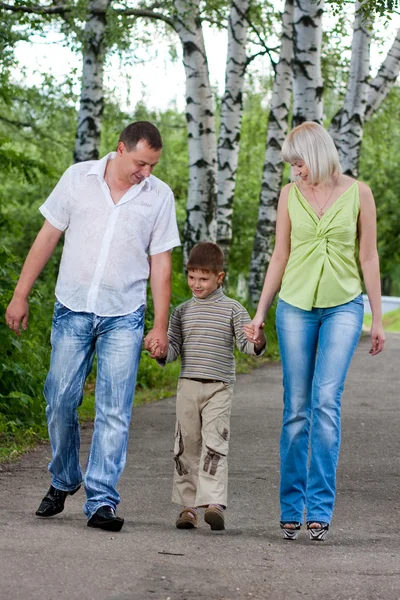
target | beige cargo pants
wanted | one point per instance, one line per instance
(202, 442)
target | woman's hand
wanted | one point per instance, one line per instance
(377, 339)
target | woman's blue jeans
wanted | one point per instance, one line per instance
(316, 350)
(117, 341)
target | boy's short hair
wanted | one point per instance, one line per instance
(206, 256)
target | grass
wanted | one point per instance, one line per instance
(13, 445)
(391, 321)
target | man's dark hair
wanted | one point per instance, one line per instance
(141, 130)
(206, 256)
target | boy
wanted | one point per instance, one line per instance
(202, 331)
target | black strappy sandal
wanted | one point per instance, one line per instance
(319, 533)
(290, 533)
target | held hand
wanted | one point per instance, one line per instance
(377, 339)
(255, 333)
(153, 347)
(156, 342)
(258, 323)
(17, 314)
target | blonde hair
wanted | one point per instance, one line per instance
(311, 144)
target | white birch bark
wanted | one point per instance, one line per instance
(307, 75)
(273, 164)
(202, 193)
(231, 119)
(348, 138)
(87, 138)
(385, 79)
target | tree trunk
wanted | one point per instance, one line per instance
(385, 79)
(231, 118)
(202, 194)
(307, 76)
(348, 138)
(273, 165)
(87, 139)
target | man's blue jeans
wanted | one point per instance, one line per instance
(316, 350)
(117, 341)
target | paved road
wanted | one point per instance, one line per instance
(63, 559)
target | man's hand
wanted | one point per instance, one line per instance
(156, 342)
(17, 314)
(38, 256)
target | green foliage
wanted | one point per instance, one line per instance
(23, 360)
(369, 8)
(12, 160)
(379, 167)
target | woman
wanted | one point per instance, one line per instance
(322, 219)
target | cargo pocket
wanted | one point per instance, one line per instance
(178, 450)
(217, 444)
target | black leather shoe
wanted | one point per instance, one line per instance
(53, 502)
(105, 518)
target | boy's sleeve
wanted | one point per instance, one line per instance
(174, 339)
(56, 209)
(240, 318)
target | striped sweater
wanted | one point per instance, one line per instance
(203, 333)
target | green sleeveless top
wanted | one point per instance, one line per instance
(322, 269)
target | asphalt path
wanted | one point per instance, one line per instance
(61, 558)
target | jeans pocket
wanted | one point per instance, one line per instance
(59, 311)
(358, 300)
(136, 318)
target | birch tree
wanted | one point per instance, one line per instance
(202, 194)
(88, 131)
(273, 164)
(385, 79)
(363, 97)
(349, 122)
(307, 77)
(231, 119)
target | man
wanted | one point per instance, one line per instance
(116, 215)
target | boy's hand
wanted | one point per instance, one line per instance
(255, 335)
(153, 347)
(157, 344)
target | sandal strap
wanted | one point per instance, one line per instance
(320, 525)
(188, 512)
(296, 524)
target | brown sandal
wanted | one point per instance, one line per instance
(187, 519)
(215, 518)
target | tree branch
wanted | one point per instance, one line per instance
(34, 128)
(267, 50)
(36, 10)
(146, 13)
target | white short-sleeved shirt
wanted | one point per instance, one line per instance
(104, 266)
